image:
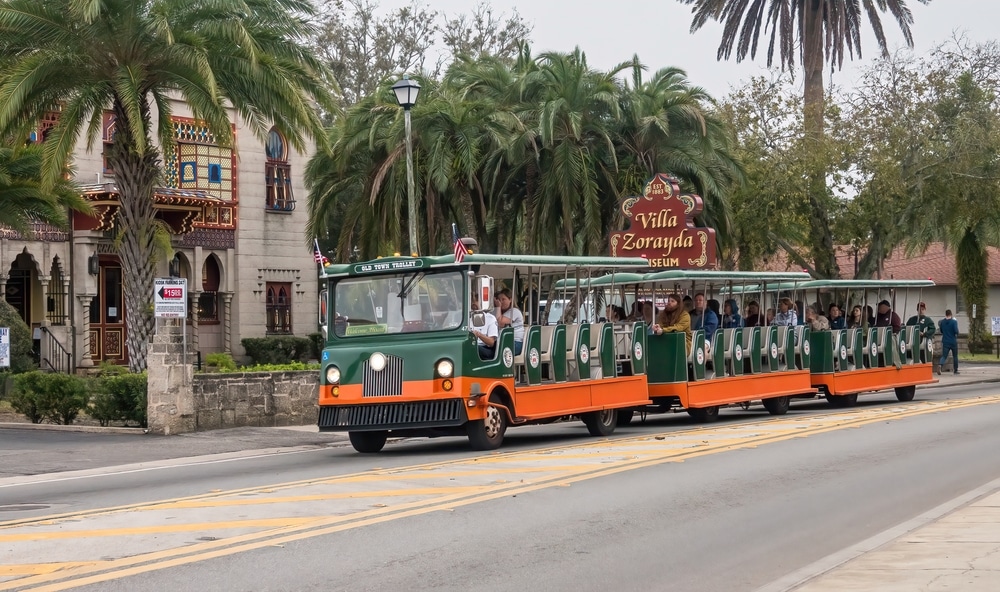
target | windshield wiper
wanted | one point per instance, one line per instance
(409, 285)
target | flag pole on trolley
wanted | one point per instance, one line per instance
(318, 256)
(460, 250)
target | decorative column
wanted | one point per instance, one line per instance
(227, 323)
(44, 280)
(195, 313)
(85, 299)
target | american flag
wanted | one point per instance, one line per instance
(460, 250)
(317, 254)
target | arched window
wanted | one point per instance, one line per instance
(208, 301)
(278, 174)
(279, 308)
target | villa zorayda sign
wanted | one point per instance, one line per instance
(660, 228)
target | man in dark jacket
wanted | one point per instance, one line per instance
(925, 322)
(884, 317)
(949, 340)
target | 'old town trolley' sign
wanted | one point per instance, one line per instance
(661, 230)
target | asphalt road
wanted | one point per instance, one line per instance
(662, 506)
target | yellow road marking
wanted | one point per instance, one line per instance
(649, 454)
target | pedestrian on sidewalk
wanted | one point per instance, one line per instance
(949, 340)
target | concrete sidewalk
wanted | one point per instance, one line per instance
(955, 547)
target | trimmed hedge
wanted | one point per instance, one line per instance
(43, 396)
(277, 350)
(119, 397)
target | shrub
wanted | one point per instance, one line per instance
(318, 343)
(119, 397)
(290, 367)
(56, 397)
(21, 356)
(223, 361)
(277, 350)
(25, 398)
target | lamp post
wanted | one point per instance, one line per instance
(406, 91)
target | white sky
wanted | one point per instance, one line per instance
(657, 30)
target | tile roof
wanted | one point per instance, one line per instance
(936, 263)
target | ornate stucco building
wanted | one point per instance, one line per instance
(237, 234)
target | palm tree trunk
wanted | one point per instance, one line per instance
(135, 176)
(971, 261)
(821, 238)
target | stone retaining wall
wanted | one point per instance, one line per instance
(260, 399)
(181, 401)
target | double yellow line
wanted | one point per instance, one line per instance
(642, 451)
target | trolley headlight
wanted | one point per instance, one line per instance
(377, 362)
(332, 375)
(445, 368)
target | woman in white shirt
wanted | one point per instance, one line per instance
(511, 317)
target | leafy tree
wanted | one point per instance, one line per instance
(363, 49)
(219, 56)
(820, 31)
(484, 33)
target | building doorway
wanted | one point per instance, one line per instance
(107, 315)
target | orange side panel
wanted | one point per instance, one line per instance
(874, 379)
(570, 398)
(735, 389)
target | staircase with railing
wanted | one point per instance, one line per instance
(53, 356)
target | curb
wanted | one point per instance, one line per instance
(52, 427)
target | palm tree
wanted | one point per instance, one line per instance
(667, 125)
(24, 197)
(823, 30)
(132, 57)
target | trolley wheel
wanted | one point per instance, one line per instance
(368, 442)
(905, 393)
(625, 417)
(601, 423)
(776, 405)
(704, 414)
(487, 433)
(841, 401)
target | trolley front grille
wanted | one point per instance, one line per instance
(387, 383)
(386, 416)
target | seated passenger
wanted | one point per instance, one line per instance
(753, 318)
(674, 319)
(486, 335)
(926, 324)
(887, 318)
(815, 320)
(704, 317)
(856, 320)
(837, 319)
(769, 317)
(511, 317)
(731, 318)
(614, 313)
(647, 316)
(786, 316)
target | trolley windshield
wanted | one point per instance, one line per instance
(411, 302)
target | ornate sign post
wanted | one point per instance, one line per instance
(661, 230)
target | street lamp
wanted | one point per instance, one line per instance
(406, 91)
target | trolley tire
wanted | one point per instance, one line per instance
(776, 405)
(368, 442)
(852, 400)
(905, 393)
(601, 423)
(487, 434)
(836, 401)
(704, 414)
(625, 417)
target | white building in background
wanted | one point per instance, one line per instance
(238, 237)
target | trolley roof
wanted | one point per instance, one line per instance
(506, 263)
(865, 284)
